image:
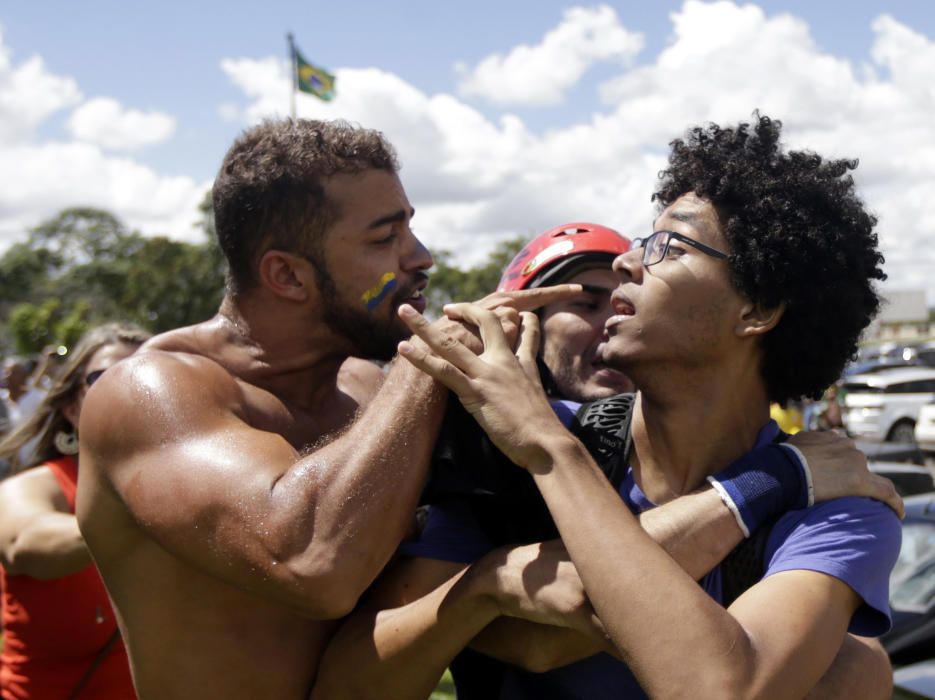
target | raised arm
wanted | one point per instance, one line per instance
(167, 434)
(39, 536)
(177, 440)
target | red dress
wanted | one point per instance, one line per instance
(53, 630)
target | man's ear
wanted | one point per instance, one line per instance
(285, 274)
(755, 319)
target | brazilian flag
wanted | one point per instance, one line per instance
(312, 79)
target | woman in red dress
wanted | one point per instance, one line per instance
(60, 635)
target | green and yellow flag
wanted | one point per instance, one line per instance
(312, 79)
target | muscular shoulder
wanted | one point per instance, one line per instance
(154, 394)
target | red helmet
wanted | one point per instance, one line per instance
(559, 253)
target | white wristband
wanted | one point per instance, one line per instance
(805, 470)
(731, 506)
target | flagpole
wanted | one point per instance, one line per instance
(294, 67)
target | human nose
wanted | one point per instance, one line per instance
(629, 265)
(417, 256)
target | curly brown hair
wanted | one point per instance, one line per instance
(270, 190)
(798, 235)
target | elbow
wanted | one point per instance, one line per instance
(323, 589)
(21, 560)
(539, 658)
(333, 602)
(539, 663)
(323, 598)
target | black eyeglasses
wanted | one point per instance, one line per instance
(656, 246)
(93, 376)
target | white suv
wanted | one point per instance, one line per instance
(925, 428)
(885, 405)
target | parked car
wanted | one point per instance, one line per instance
(898, 351)
(925, 428)
(909, 479)
(877, 365)
(885, 405)
(915, 682)
(912, 586)
(925, 354)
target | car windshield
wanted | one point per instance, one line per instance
(912, 583)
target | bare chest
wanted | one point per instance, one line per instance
(301, 426)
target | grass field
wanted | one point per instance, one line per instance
(445, 689)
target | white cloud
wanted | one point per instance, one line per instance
(42, 179)
(105, 122)
(540, 74)
(477, 179)
(29, 94)
(41, 176)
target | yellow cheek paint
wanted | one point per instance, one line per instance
(373, 296)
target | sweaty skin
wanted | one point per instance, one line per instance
(243, 481)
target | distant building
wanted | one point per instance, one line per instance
(904, 317)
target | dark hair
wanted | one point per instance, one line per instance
(798, 235)
(270, 190)
(48, 418)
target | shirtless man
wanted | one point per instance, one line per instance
(232, 502)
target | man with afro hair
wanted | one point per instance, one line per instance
(753, 287)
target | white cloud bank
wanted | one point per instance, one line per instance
(477, 176)
(540, 74)
(41, 177)
(105, 122)
(476, 180)
(29, 94)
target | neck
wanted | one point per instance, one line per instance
(278, 347)
(688, 425)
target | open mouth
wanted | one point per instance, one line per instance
(621, 305)
(415, 298)
(623, 309)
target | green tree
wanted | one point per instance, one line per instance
(83, 267)
(169, 284)
(35, 326)
(451, 283)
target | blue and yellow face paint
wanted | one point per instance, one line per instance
(373, 296)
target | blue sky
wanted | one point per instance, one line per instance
(166, 55)
(162, 64)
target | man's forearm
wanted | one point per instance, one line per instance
(362, 487)
(400, 653)
(697, 530)
(537, 647)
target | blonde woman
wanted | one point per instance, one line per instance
(60, 635)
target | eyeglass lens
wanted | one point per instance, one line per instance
(655, 249)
